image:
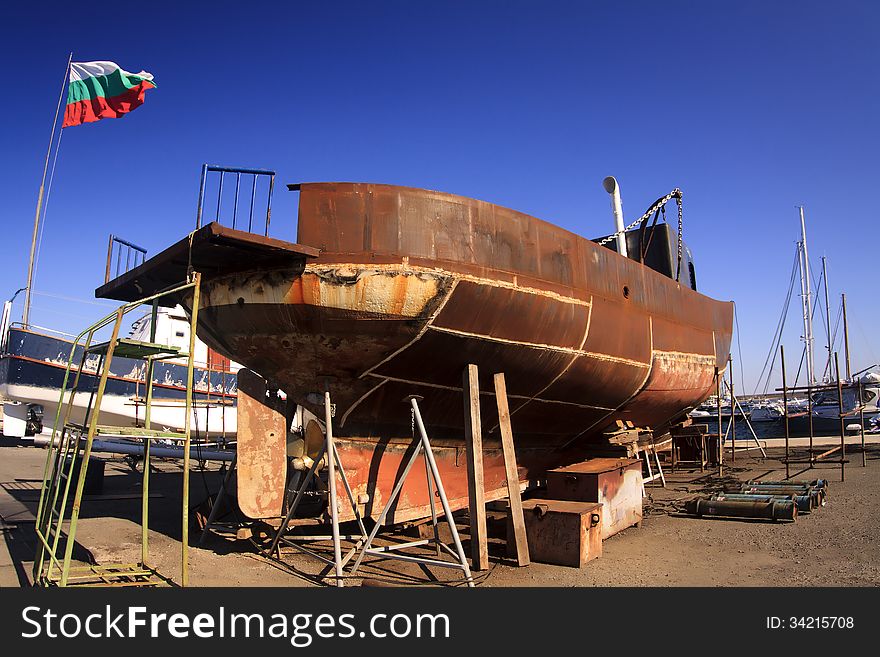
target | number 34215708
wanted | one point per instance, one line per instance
(810, 622)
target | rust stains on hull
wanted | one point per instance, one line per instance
(409, 286)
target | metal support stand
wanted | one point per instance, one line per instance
(221, 495)
(334, 467)
(423, 445)
(648, 451)
(745, 415)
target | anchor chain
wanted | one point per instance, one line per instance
(659, 203)
(657, 206)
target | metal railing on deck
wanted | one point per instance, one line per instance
(133, 254)
(237, 173)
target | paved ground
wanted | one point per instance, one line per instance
(834, 546)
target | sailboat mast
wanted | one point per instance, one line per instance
(30, 277)
(807, 300)
(845, 337)
(827, 314)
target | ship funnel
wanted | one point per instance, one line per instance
(611, 186)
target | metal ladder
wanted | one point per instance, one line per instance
(52, 562)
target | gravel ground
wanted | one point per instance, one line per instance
(834, 546)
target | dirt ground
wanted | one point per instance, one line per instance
(835, 545)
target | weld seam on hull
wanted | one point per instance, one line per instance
(544, 347)
(562, 373)
(684, 356)
(488, 393)
(635, 394)
(360, 399)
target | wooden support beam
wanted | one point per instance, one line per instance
(512, 475)
(474, 448)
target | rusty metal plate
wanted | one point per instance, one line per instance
(262, 449)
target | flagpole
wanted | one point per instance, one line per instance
(27, 294)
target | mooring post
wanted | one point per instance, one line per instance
(513, 493)
(474, 449)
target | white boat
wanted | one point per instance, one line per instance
(33, 363)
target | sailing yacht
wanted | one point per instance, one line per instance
(824, 408)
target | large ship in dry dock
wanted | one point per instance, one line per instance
(393, 291)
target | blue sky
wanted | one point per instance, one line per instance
(751, 108)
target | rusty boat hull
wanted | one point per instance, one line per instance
(393, 291)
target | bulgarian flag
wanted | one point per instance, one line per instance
(102, 90)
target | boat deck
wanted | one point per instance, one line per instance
(210, 250)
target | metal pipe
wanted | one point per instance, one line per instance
(235, 204)
(201, 196)
(792, 486)
(805, 503)
(269, 203)
(781, 510)
(611, 186)
(786, 487)
(212, 167)
(132, 245)
(816, 493)
(109, 255)
(797, 490)
(253, 194)
(219, 196)
(112, 447)
(816, 483)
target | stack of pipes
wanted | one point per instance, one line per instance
(772, 500)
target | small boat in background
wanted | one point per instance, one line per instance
(709, 408)
(33, 363)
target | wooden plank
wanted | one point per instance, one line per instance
(622, 437)
(516, 511)
(474, 449)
